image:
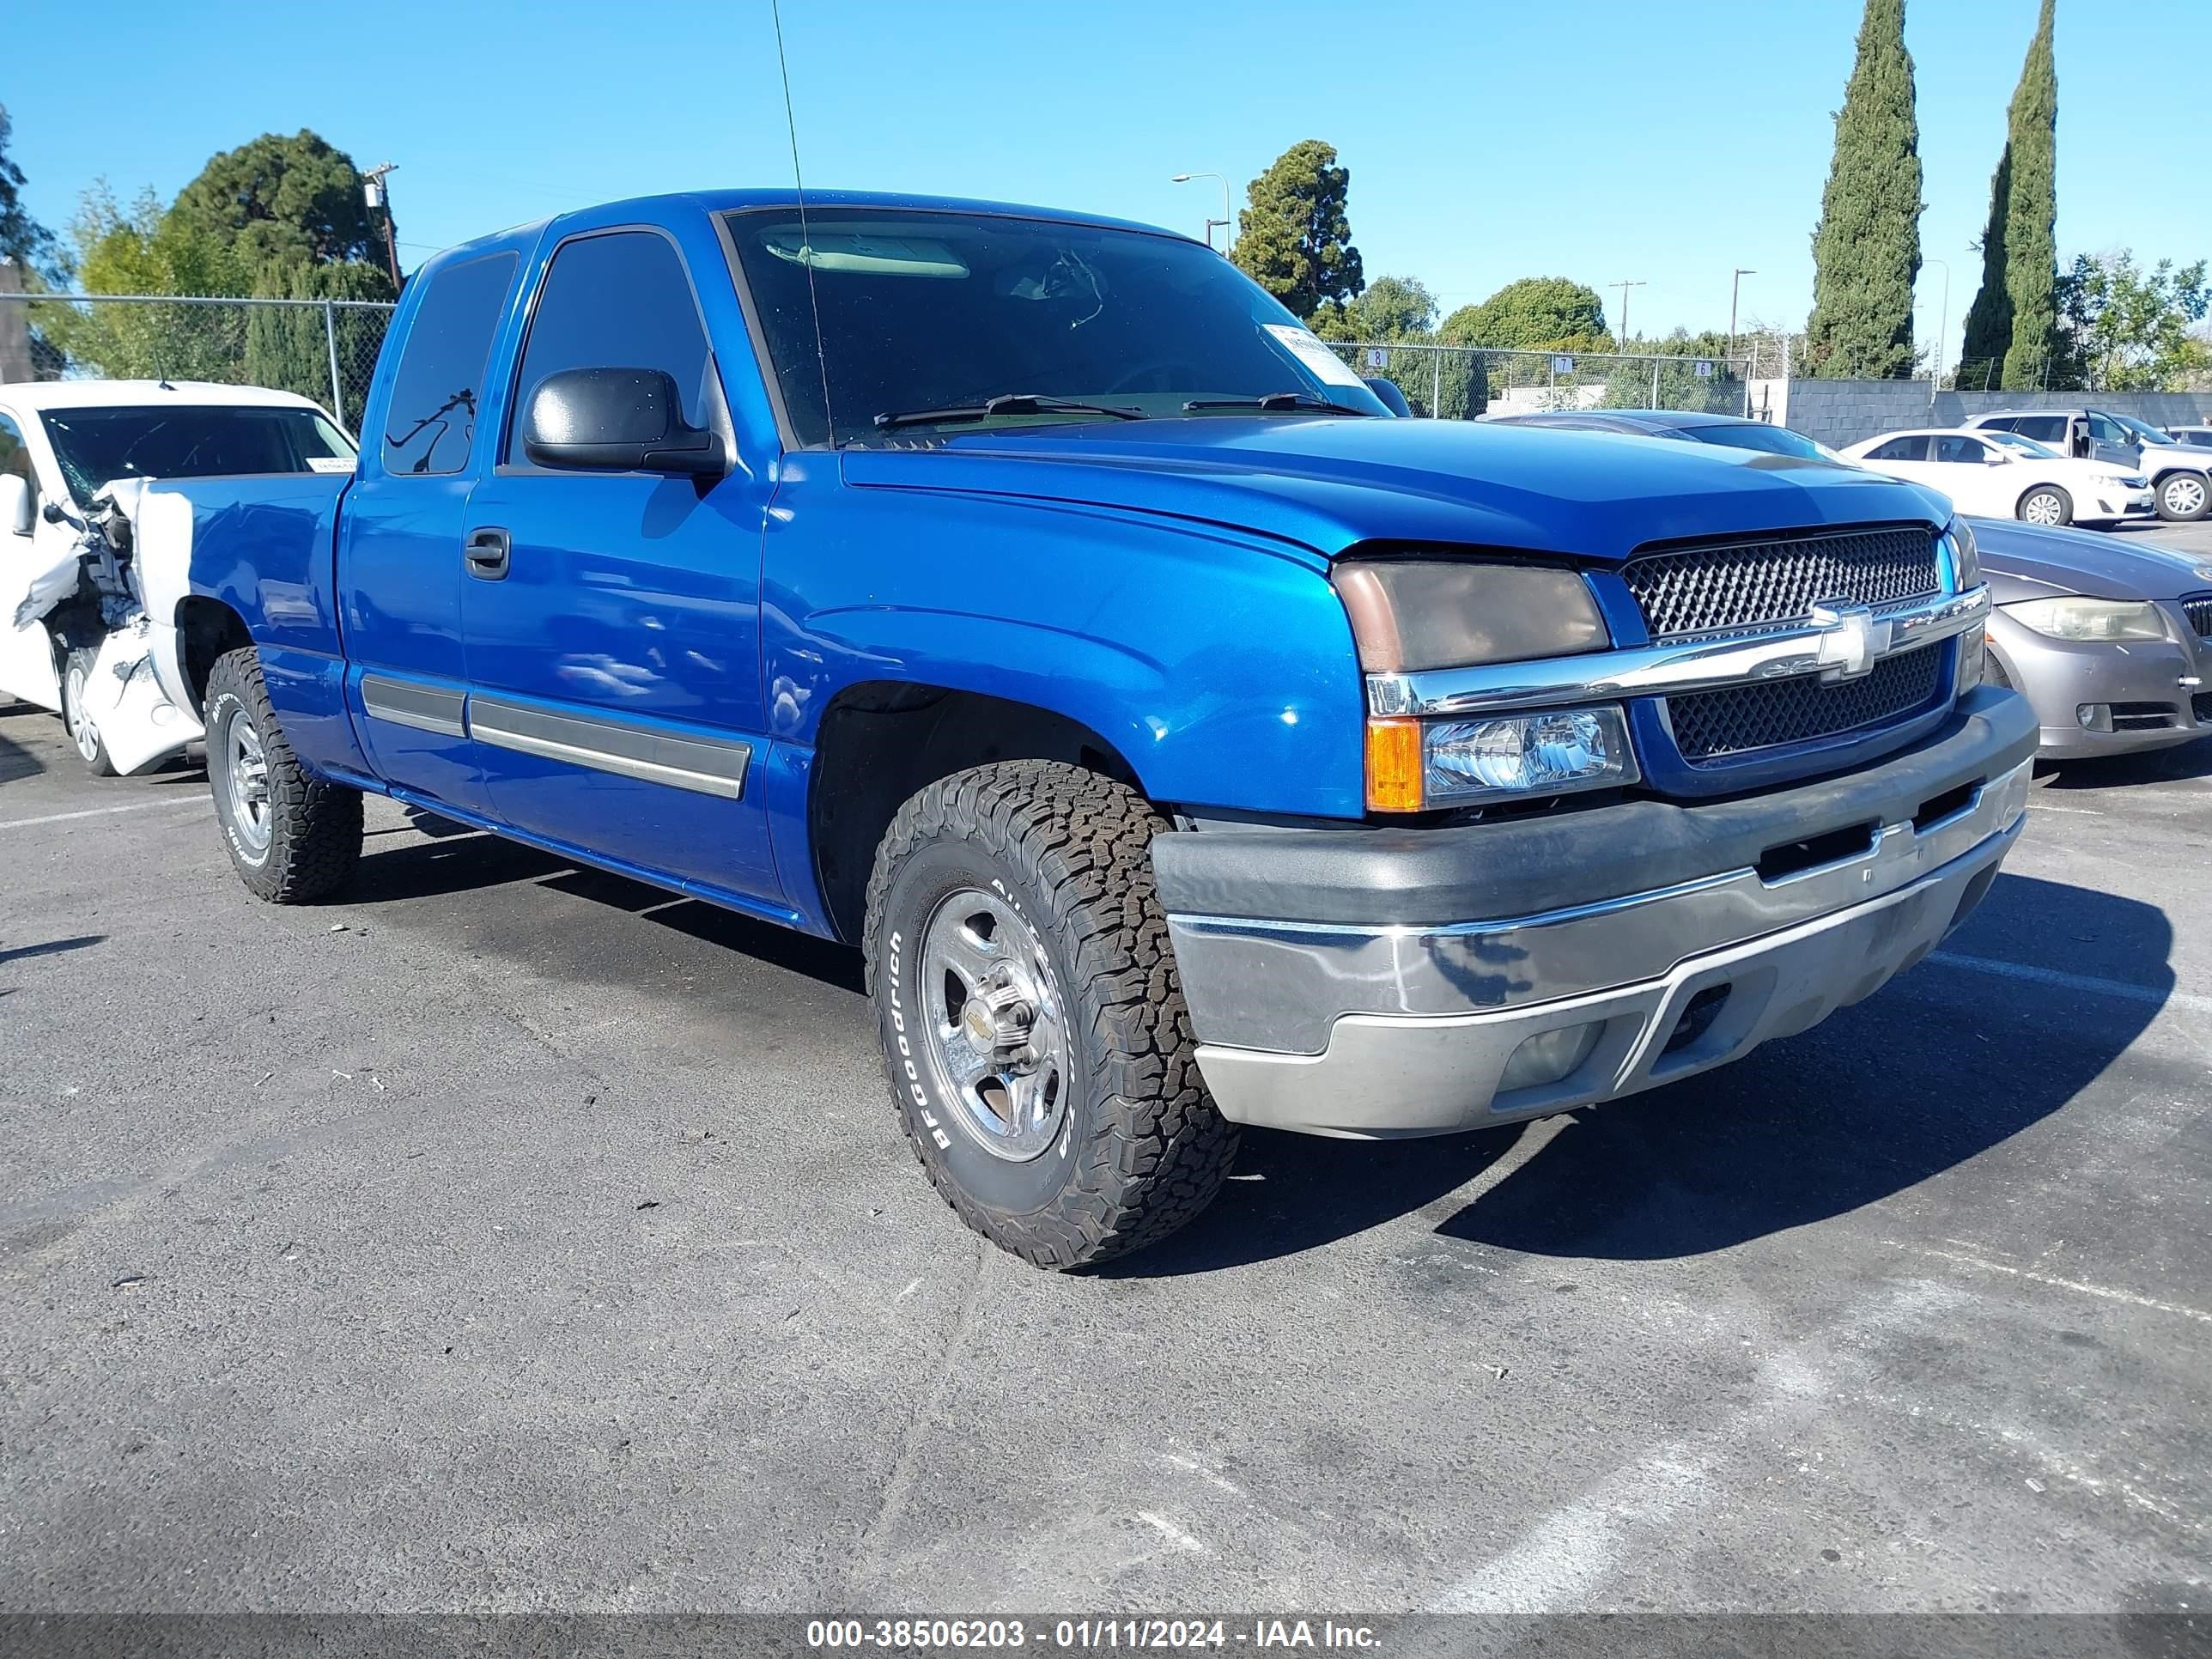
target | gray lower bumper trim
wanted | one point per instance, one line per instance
(1389, 1075)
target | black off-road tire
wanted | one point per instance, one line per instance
(76, 670)
(314, 826)
(1143, 1149)
(2065, 504)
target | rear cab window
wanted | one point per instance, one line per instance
(429, 426)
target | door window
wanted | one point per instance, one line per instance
(1956, 446)
(618, 300)
(2109, 432)
(16, 459)
(2044, 429)
(431, 424)
(1900, 449)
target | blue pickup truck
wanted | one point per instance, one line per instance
(1029, 601)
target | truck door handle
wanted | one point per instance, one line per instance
(487, 554)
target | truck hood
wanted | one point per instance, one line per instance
(1329, 484)
(2027, 562)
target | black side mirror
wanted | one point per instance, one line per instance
(617, 420)
(1393, 399)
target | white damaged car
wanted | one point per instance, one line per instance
(75, 457)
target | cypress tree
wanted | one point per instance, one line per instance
(1293, 238)
(1866, 249)
(2032, 213)
(2015, 315)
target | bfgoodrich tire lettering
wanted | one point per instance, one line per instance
(1136, 1148)
(291, 836)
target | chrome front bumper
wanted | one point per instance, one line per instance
(1374, 1032)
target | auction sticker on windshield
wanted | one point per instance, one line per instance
(1306, 347)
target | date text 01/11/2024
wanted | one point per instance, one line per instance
(1087, 1634)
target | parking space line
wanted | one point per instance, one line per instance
(2083, 982)
(102, 811)
(1985, 1265)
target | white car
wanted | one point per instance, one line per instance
(2002, 475)
(63, 445)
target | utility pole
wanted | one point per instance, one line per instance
(1624, 288)
(1736, 282)
(378, 194)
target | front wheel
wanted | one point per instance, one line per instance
(2047, 504)
(292, 837)
(2183, 497)
(84, 735)
(1035, 1035)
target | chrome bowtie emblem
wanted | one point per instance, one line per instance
(1851, 640)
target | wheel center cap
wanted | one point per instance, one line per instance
(997, 1017)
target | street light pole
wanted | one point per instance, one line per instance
(1624, 288)
(1942, 323)
(1735, 283)
(1184, 179)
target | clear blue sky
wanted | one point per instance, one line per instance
(1664, 140)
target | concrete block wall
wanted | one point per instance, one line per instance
(1839, 412)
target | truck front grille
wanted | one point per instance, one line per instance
(2198, 608)
(1713, 727)
(1703, 589)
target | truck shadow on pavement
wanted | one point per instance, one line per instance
(1943, 1064)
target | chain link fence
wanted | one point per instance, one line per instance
(1464, 383)
(325, 349)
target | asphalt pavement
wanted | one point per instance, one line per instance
(509, 1237)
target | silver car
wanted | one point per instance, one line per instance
(2110, 640)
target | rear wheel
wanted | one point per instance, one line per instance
(2183, 497)
(84, 734)
(1038, 1049)
(292, 837)
(2047, 504)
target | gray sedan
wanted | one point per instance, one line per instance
(2110, 640)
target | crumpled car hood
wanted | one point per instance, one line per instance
(1329, 483)
(2026, 561)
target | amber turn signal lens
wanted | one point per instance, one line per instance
(1394, 766)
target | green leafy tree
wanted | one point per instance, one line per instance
(1866, 249)
(1400, 311)
(284, 200)
(1669, 378)
(1293, 237)
(2122, 328)
(2015, 316)
(1536, 313)
(138, 250)
(291, 348)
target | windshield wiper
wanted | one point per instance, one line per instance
(1301, 402)
(1013, 403)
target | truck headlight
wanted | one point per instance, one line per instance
(1416, 766)
(1412, 614)
(1965, 557)
(2090, 619)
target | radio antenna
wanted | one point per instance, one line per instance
(805, 237)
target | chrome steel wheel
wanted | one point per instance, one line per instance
(2042, 507)
(995, 1032)
(2183, 497)
(82, 733)
(246, 772)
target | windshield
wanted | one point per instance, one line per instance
(1757, 434)
(926, 311)
(2025, 445)
(2144, 433)
(95, 446)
